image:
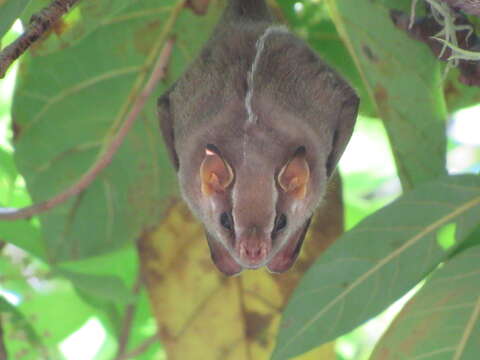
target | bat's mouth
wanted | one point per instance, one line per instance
(252, 266)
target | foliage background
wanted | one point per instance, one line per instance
(68, 278)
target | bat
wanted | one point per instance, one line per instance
(255, 128)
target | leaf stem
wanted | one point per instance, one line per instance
(140, 349)
(128, 319)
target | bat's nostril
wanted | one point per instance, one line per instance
(253, 253)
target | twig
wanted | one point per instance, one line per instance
(158, 73)
(128, 320)
(39, 24)
(140, 349)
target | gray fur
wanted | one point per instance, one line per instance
(259, 90)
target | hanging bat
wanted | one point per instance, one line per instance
(255, 128)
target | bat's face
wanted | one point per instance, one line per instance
(257, 216)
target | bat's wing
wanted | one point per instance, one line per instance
(344, 125)
(167, 126)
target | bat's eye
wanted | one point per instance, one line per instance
(226, 221)
(280, 223)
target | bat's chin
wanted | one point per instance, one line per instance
(252, 265)
(278, 262)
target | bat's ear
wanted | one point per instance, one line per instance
(215, 173)
(166, 126)
(343, 131)
(295, 175)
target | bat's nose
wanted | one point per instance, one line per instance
(253, 254)
(253, 249)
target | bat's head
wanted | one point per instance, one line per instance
(257, 214)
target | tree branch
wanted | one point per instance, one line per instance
(128, 319)
(39, 24)
(158, 73)
(140, 349)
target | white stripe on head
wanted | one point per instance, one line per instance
(259, 45)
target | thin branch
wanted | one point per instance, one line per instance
(158, 73)
(39, 24)
(128, 320)
(140, 349)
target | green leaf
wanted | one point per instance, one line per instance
(402, 78)
(109, 313)
(143, 327)
(8, 172)
(84, 18)
(40, 301)
(314, 25)
(25, 235)
(18, 326)
(8, 175)
(68, 104)
(442, 321)
(16, 318)
(9, 11)
(105, 287)
(57, 312)
(375, 263)
(122, 263)
(458, 95)
(473, 240)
